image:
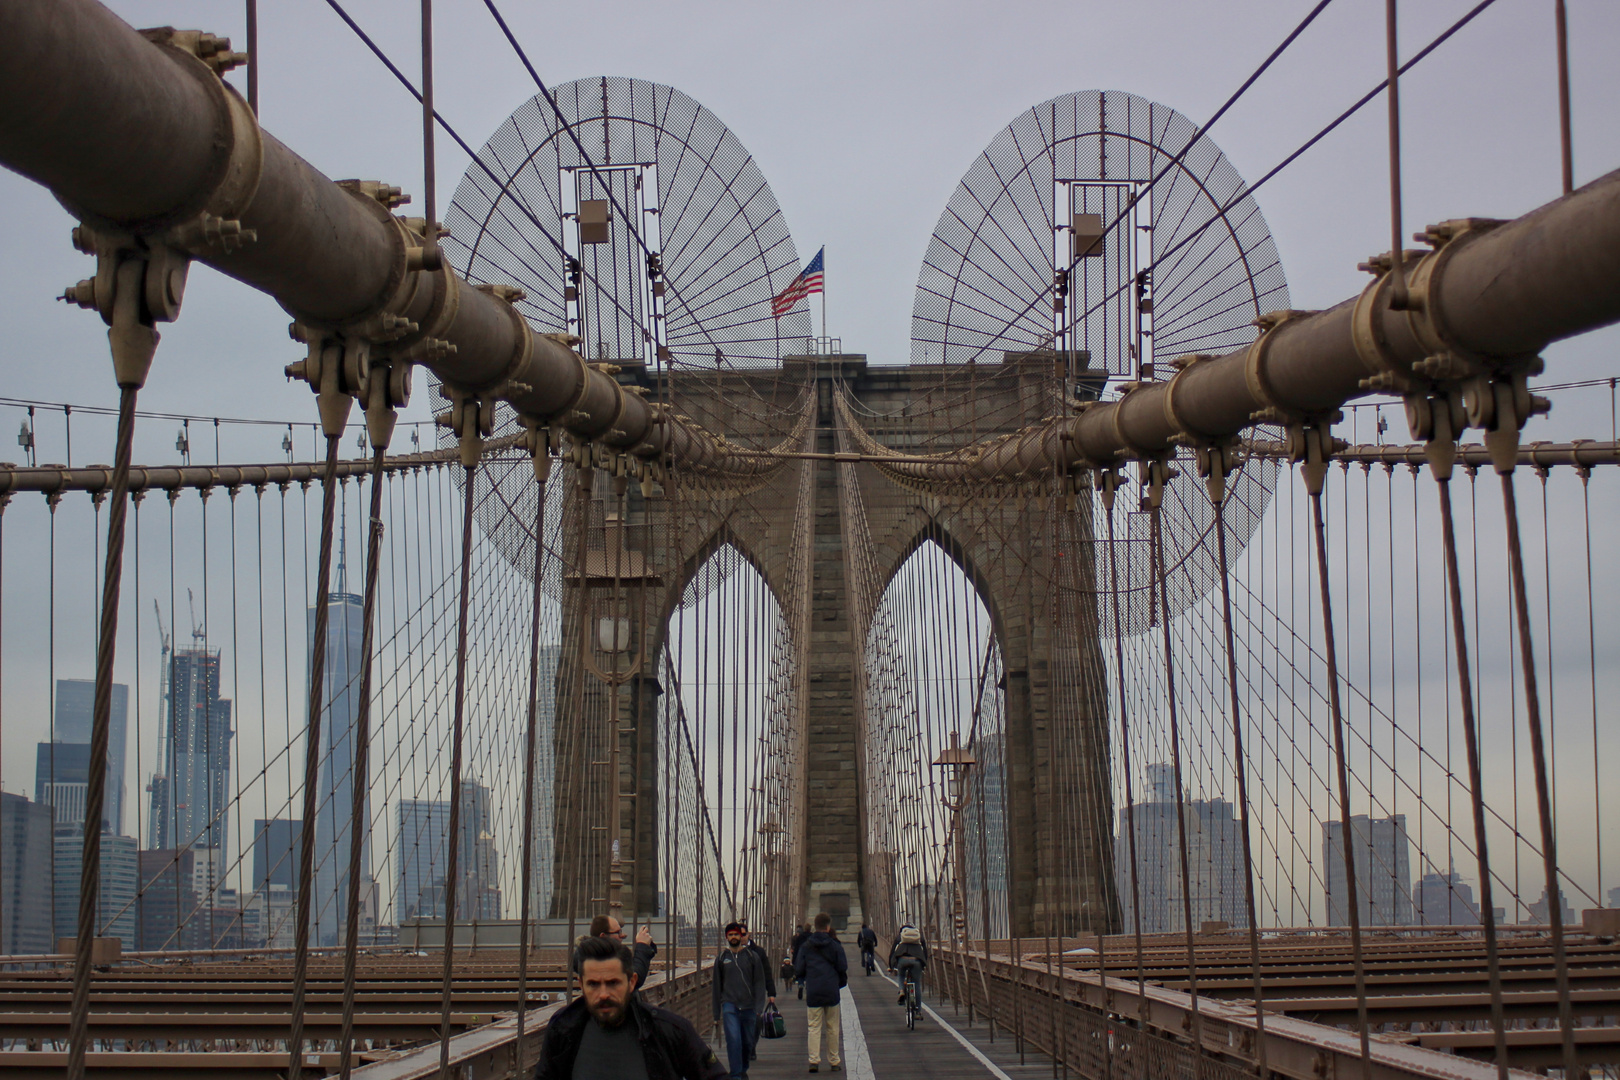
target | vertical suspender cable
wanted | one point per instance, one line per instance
(360, 772)
(1157, 470)
(1440, 466)
(1239, 763)
(452, 842)
(1585, 474)
(1538, 761)
(1111, 481)
(431, 259)
(526, 882)
(1565, 144)
(1397, 269)
(101, 722)
(312, 760)
(1315, 473)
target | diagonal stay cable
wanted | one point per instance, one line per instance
(590, 163)
(1332, 126)
(404, 81)
(1175, 162)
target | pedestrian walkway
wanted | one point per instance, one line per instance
(877, 1046)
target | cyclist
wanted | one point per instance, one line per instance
(867, 940)
(909, 957)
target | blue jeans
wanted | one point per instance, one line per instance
(740, 1026)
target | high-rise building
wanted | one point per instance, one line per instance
(75, 712)
(424, 826)
(1383, 877)
(25, 877)
(1443, 900)
(267, 913)
(1541, 915)
(115, 897)
(1214, 859)
(61, 779)
(190, 790)
(341, 696)
(269, 918)
(168, 903)
(275, 853)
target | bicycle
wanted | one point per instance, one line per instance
(868, 961)
(913, 1001)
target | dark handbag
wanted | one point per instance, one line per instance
(771, 1023)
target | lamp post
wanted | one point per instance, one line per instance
(771, 831)
(957, 763)
(614, 581)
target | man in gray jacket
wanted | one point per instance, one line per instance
(739, 974)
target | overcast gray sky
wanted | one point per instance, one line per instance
(863, 118)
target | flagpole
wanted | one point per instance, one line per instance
(824, 297)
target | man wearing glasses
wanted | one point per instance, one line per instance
(606, 926)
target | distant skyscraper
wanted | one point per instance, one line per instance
(1383, 877)
(61, 779)
(190, 790)
(1540, 914)
(1443, 900)
(424, 825)
(115, 898)
(275, 853)
(1214, 859)
(75, 708)
(341, 695)
(25, 877)
(168, 904)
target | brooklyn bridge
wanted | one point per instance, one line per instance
(1205, 677)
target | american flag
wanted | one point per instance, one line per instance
(806, 284)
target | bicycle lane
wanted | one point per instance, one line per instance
(942, 1046)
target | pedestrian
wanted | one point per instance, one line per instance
(823, 969)
(606, 926)
(609, 1033)
(867, 940)
(799, 939)
(739, 975)
(764, 991)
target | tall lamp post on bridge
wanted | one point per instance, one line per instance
(775, 880)
(614, 581)
(957, 762)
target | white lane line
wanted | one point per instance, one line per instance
(959, 1037)
(857, 1061)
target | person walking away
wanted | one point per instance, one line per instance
(909, 957)
(867, 940)
(793, 950)
(606, 926)
(764, 992)
(739, 972)
(823, 969)
(609, 1033)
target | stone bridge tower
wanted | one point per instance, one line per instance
(827, 532)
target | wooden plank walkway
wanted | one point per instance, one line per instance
(877, 1046)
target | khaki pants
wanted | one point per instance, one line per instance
(824, 1018)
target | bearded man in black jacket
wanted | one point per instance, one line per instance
(609, 1033)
